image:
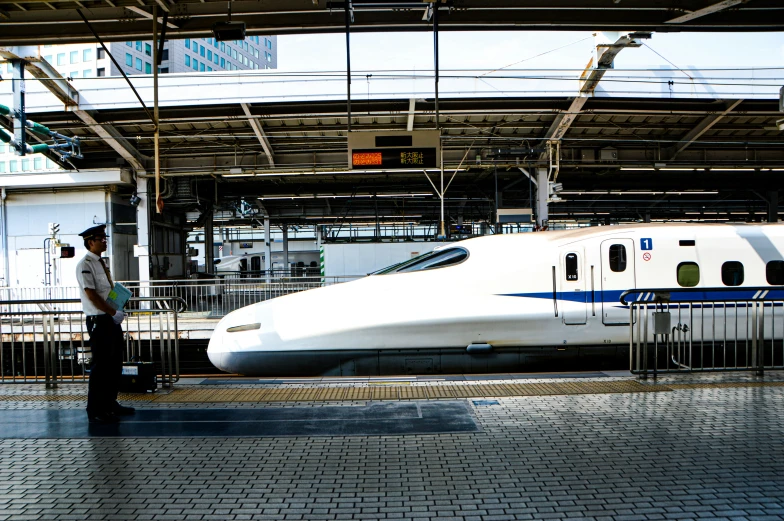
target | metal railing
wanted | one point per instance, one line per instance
(684, 330)
(45, 340)
(204, 298)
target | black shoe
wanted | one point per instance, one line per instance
(120, 410)
(104, 417)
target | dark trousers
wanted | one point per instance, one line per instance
(106, 345)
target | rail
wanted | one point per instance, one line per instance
(45, 340)
(679, 330)
(204, 298)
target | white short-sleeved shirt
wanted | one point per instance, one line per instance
(90, 275)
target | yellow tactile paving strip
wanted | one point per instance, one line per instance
(388, 392)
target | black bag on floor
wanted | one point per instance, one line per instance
(138, 377)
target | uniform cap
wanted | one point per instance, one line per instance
(94, 232)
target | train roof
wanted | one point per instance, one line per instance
(690, 230)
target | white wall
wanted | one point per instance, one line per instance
(358, 259)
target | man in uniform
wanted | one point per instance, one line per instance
(103, 326)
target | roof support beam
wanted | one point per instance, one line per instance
(701, 128)
(259, 134)
(115, 140)
(411, 112)
(140, 11)
(42, 70)
(715, 8)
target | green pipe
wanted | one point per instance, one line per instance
(39, 148)
(38, 128)
(4, 111)
(5, 138)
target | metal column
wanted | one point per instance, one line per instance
(143, 230)
(209, 242)
(267, 248)
(542, 194)
(19, 120)
(285, 230)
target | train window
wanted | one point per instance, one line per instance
(618, 257)
(732, 273)
(255, 263)
(774, 273)
(688, 274)
(428, 261)
(571, 266)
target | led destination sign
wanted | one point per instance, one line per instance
(394, 158)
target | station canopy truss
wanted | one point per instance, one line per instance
(620, 159)
(35, 22)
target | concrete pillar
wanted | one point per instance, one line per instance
(285, 230)
(143, 229)
(209, 242)
(773, 207)
(542, 194)
(267, 247)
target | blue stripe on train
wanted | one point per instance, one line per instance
(614, 296)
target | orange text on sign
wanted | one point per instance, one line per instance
(366, 159)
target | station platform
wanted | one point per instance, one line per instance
(598, 445)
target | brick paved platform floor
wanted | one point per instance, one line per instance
(710, 447)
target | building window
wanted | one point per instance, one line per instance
(48, 58)
(128, 60)
(269, 56)
(129, 44)
(163, 70)
(60, 59)
(187, 61)
(774, 273)
(37, 163)
(187, 43)
(215, 58)
(223, 47)
(2, 167)
(195, 64)
(618, 257)
(688, 274)
(256, 53)
(138, 64)
(147, 68)
(732, 273)
(215, 43)
(138, 46)
(87, 73)
(223, 63)
(2, 148)
(201, 67)
(234, 53)
(74, 74)
(101, 54)
(269, 44)
(201, 50)
(25, 165)
(209, 69)
(239, 57)
(49, 163)
(101, 72)
(12, 166)
(209, 56)
(148, 49)
(165, 55)
(87, 55)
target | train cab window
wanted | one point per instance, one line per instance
(428, 261)
(571, 266)
(618, 257)
(255, 263)
(688, 274)
(732, 273)
(774, 273)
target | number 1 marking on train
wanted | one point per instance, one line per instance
(646, 244)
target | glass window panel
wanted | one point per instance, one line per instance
(74, 56)
(571, 266)
(187, 61)
(774, 272)
(732, 273)
(60, 59)
(13, 166)
(148, 49)
(688, 274)
(187, 43)
(2, 167)
(147, 68)
(87, 73)
(618, 257)
(87, 55)
(128, 60)
(38, 163)
(25, 165)
(138, 64)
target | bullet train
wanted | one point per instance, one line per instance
(494, 303)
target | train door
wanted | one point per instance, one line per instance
(573, 296)
(617, 276)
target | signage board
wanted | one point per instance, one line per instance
(394, 150)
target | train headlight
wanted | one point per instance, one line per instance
(245, 327)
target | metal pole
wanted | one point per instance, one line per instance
(442, 234)
(348, 62)
(19, 120)
(434, 7)
(158, 201)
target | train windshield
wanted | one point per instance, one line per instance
(427, 261)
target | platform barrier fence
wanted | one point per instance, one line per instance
(686, 331)
(46, 340)
(206, 298)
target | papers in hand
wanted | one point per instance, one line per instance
(118, 296)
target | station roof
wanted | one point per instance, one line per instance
(282, 151)
(34, 22)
